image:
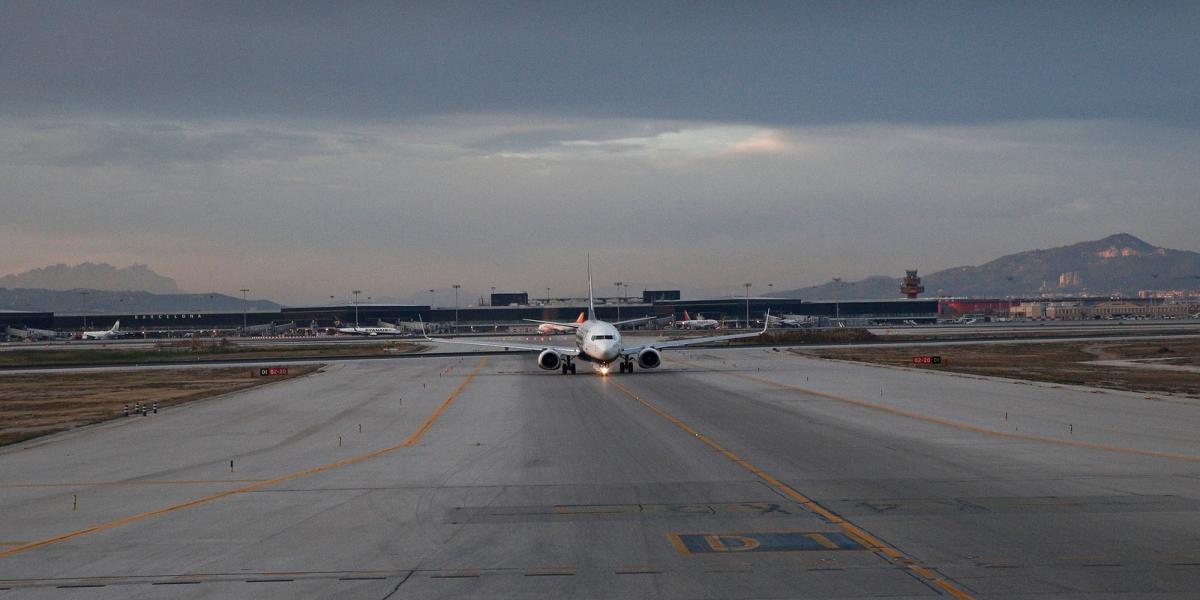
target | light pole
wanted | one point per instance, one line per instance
(456, 286)
(547, 296)
(837, 308)
(618, 284)
(747, 286)
(356, 293)
(244, 291)
(491, 300)
(83, 295)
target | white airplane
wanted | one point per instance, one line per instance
(269, 328)
(382, 329)
(32, 333)
(698, 323)
(551, 327)
(104, 334)
(599, 342)
(791, 321)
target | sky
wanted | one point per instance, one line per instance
(306, 149)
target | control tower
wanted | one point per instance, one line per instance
(910, 286)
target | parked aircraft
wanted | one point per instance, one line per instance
(31, 333)
(599, 342)
(371, 331)
(549, 327)
(269, 328)
(104, 334)
(792, 321)
(698, 323)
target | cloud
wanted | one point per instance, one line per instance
(96, 144)
(299, 210)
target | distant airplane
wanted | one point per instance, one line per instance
(551, 327)
(792, 321)
(30, 333)
(599, 342)
(269, 328)
(698, 323)
(384, 328)
(104, 334)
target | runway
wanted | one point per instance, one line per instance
(729, 473)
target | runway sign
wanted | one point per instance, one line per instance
(773, 541)
(927, 360)
(269, 371)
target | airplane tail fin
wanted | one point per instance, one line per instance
(580, 319)
(591, 313)
(686, 317)
(116, 326)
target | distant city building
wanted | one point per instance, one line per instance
(1117, 309)
(910, 286)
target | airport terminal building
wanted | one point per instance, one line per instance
(664, 307)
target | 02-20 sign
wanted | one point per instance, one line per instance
(927, 360)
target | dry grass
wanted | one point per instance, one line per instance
(43, 403)
(1065, 363)
(197, 350)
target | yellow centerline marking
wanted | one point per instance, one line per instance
(959, 424)
(863, 536)
(411, 440)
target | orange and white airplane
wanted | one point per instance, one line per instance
(548, 327)
(698, 323)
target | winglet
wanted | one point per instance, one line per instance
(423, 334)
(766, 320)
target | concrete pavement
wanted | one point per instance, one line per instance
(730, 473)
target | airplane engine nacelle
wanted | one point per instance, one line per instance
(549, 360)
(649, 358)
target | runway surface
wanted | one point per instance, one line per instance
(739, 473)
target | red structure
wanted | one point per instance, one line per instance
(953, 308)
(911, 285)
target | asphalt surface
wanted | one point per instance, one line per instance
(738, 473)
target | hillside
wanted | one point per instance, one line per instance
(80, 301)
(92, 276)
(1118, 264)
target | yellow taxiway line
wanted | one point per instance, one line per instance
(863, 536)
(411, 440)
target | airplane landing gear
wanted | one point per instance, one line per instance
(568, 367)
(627, 366)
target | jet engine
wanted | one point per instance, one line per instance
(649, 358)
(549, 360)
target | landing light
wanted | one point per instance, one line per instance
(604, 370)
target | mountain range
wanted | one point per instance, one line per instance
(1118, 264)
(82, 301)
(92, 276)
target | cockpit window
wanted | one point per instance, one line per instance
(602, 337)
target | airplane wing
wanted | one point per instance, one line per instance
(572, 325)
(701, 340)
(638, 320)
(559, 349)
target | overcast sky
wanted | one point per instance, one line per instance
(306, 149)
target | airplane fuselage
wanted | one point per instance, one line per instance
(598, 342)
